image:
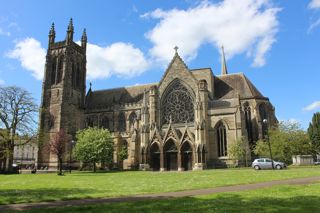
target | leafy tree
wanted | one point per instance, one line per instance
(94, 145)
(314, 132)
(57, 147)
(123, 154)
(17, 118)
(286, 140)
(239, 150)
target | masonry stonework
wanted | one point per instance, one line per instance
(184, 122)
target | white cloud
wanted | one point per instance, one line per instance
(314, 4)
(31, 56)
(315, 105)
(314, 25)
(121, 59)
(242, 26)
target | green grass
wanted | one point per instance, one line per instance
(305, 198)
(47, 187)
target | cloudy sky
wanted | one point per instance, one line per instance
(275, 43)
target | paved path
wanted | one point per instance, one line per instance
(165, 195)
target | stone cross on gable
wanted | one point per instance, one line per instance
(176, 49)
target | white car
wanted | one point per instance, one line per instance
(266, 163)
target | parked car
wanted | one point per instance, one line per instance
(266, 163)
(317, 163)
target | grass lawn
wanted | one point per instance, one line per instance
(286, 198)
(46, 187)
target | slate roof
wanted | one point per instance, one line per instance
(231, 85)
(225, 87)
(107, 98)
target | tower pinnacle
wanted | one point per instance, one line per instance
(52, 34)
(224, 70)
(84, 40)
(70, 32)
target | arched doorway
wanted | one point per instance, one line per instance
(186, 156)
(170, 155)
(155, 157)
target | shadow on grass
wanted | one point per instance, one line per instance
(218, 203)
(36, 195)
(83, 173)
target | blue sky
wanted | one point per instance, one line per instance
(275, 43)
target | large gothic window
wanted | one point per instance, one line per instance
(177, 105)
(132, 119)
(121, 122)
(222, 140)
(247, 114)
(104, 123)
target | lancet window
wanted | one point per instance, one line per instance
(222, 140)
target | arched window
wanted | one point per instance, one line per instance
(143, 155)
(92, 121)
(263, 115)
(104, 123)
(121, 122)
(132, 119)
(177, 104)
(53, 71)
(222, 140)
(78, 79)
(60, 70)
(247, 114)
(73, 78)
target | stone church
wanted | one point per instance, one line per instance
(186, 121)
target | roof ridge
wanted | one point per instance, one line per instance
(125, 87)
(176, 55)
(252, 88)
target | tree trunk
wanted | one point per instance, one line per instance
(9, 159)
(94, 167)
(60, 165)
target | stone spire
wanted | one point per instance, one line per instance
(70, 32)
(84, 39)
(52, 35)
(224, 70)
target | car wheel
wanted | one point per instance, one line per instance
(278, 167)
(256, 167)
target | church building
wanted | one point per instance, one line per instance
(186, 121)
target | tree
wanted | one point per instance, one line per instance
(314, 132)
(239, 150)
(94, 145)
(286, 139)
(17, 118)
(57, 147)
(123, 154)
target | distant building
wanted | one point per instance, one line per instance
(25, 154)
(183, 122)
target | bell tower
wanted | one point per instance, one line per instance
(63, 92)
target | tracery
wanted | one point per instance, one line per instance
(177, 105)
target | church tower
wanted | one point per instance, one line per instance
(63, 93)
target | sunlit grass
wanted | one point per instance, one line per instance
(44, 187)
(297, 198)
